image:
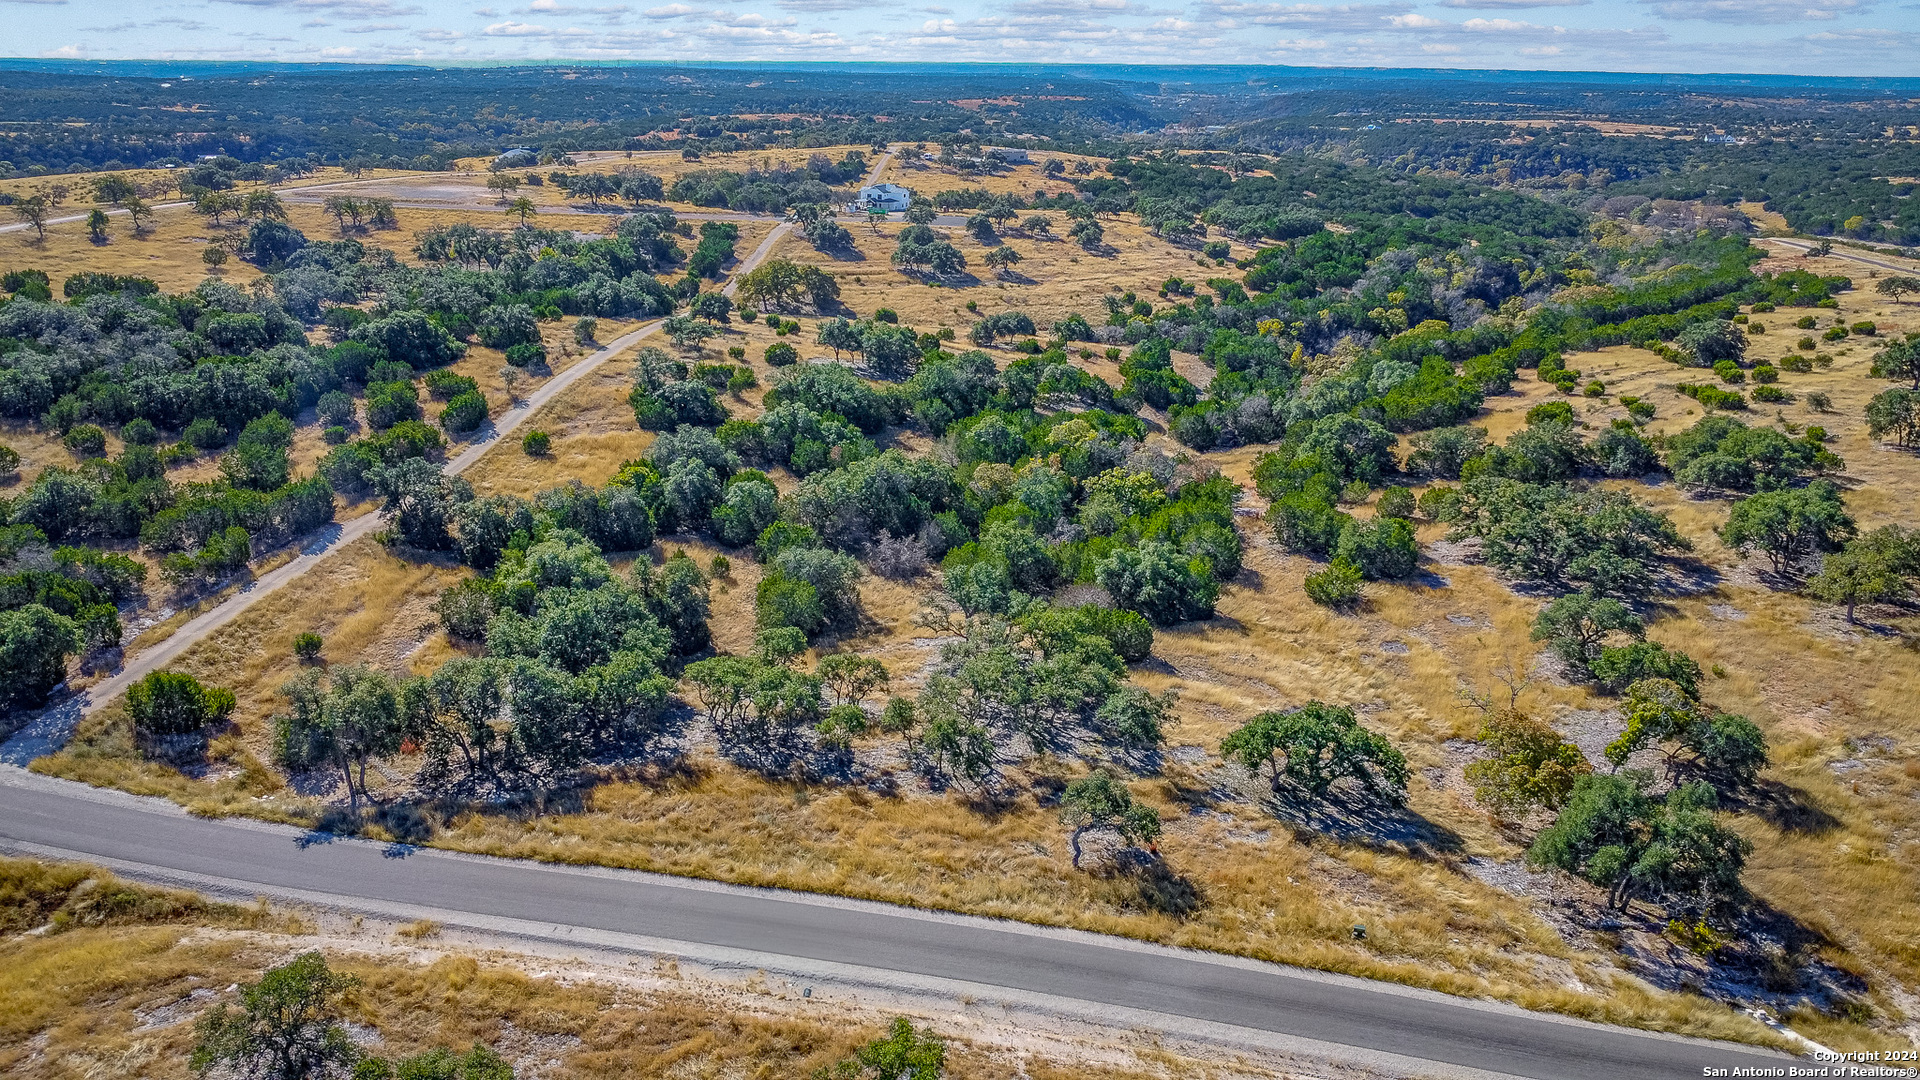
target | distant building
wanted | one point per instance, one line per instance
(517, 158)
(890, 198)
(1012, 155)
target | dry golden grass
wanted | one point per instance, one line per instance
(121, 1000)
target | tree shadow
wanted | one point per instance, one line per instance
(1685, 577)
(1773, 957)
(1787, 808)
(1155, 886)
(1353, 813)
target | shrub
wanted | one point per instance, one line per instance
(1765, 373)
(1441, 452)
(1806, 322)
(781, 354)
(334, 435)
(307, 645)
(1380, 549)
(465, 412)
(1770, 394)
(1620, 666)
(1729, 372)
(139, 432)
(87, 440)
(1549, 411)
(173, 703)
(1527, 764)
(389, 403)
(465, 610)
(204, 434)
(536, 443)
(1160, 582)
(527, 355)
(1338, 586)
(1395, 502)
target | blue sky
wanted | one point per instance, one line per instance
(1805, 37)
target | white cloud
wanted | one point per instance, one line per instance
(1486, 5)
(520, 29)
(67, 51)
(1344, 16)
(349, 9)
(1757, 11)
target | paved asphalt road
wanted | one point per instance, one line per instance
(765, 928)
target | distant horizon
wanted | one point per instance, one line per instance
(1800, 38)
(182, 67)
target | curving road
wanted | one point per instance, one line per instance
(812, 938)
(49, 731)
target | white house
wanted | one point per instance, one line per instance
(1012, 155)
(888, 197)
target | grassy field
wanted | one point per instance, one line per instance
(1438, 888)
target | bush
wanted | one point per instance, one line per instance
(139, 432)
(1380, 549)
(466, 609)
(1441, 452)
(1765, 373)
(526, 356)
(1550, 411)
(536, 443)
(781, 354)
(205, 434)
(307, 645)
(172, 703)
(1620, 666)
(1160, 582)
(1527, 764)
(1338, 586)
(465, 412)
(1395, 502)
(1771, 395)
(335, 408)
(445, 385)
(389, 403)
(87, 440)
